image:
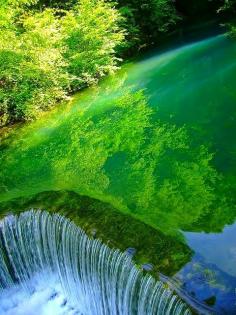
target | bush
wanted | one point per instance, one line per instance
(45, 54)
(91, 35)
(32, 68)
(145, 21)
(229, 9)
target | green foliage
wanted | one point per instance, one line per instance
(228, 5)
(44, 54)
(229, 8)
(31, 67)
(146, 20)
(91, 35)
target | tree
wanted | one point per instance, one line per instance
(229, 8)
(46, 53)
(32, 72)
(145, 21)
(91, 37)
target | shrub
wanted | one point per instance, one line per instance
(91, 36)
(44, 54)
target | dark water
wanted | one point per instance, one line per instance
(157, 142)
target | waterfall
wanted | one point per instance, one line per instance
(47, 260)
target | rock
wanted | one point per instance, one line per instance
(130, 251)
(147, 267)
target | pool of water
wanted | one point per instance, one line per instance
(157, 142)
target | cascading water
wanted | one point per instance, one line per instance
(49, 266)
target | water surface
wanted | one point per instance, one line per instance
(157, 141)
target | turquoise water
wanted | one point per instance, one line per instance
(157, 141)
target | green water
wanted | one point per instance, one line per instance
(158, 154)
(156, 141)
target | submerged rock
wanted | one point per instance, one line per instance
(147, 267)
(130, 251)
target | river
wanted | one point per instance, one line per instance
(157, 142)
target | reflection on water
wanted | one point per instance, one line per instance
(205, 282)
(157, 141)
(218, 249)
(211, 274)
